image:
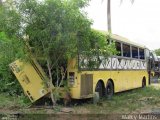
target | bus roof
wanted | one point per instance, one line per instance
(123, 39)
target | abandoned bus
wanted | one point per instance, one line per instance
(126, 70)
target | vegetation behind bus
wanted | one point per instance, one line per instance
(10, 49)
(53, 30)
(157, 51)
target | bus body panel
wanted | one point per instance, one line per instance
(30, 79)
(33, 84)
(123, 80)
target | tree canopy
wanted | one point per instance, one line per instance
(53, 30)
(157, 51)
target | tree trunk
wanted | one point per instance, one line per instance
(109, 15)
(50, 83)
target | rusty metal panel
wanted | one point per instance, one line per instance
(86, 84)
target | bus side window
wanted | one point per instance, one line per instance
(126, 50)
(134, 52)
(141, 53)
(118, 48)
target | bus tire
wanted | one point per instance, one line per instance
(109, 90)
(143, 83)
(99, 89)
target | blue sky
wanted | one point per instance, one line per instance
(139, 22)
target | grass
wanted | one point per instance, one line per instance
(133, 101)
(11, 102)
(137, 100)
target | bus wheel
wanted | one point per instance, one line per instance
(109, 90)
(143, 83)
(99, 89)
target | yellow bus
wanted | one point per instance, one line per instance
(124, 71)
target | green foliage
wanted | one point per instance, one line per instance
(11, 46)
(54, 30)
(52, 27)
(7, 101)
(23, 101)
(10, 49)
(58, 30)
(9, 20)
(96, 48)
(157, 51)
